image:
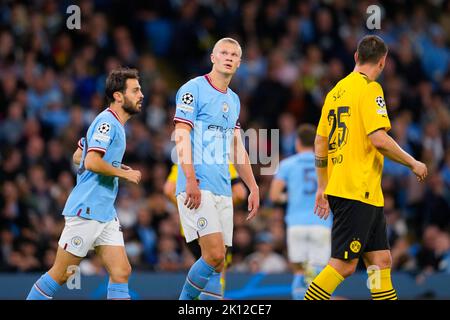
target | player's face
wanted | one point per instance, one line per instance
(133, 97)
(226, 58)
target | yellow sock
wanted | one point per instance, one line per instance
(324, 284)
(381, 285)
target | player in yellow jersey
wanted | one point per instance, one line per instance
(350, 146)
(239, 194)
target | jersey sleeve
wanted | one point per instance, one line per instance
(283, 172)
(187, 104)
(81, 143)
(373, 109)
(238, 103)
(322, 128)
(101, 136)
(173, 175)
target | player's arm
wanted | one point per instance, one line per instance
(276, 193)
(389, 148)
(321, 207)
(241, 162)
(184, 152)
(76, 157)
(376, 124)
(94, 162)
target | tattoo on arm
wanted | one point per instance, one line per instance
(321, 162)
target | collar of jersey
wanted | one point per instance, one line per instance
(115, 115)
(212, 85)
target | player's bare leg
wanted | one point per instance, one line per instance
(204, 275)
(116, 262)
(213, 251)
(60, 269)
(50, 282)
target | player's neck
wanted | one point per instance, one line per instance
(219, 80)
(123, 115)
(366, 70)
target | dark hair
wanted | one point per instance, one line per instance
(306, 133)
(117, 81)
(371, 49)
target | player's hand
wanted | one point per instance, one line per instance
(133, 176)
(125, 167)
(253, 204)
(420, 170)
(321, 206)
(193, 194)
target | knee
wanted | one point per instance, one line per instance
(345, 269)
(120, 274)
(383, 261)
(215, 258)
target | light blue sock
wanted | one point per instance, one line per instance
(298, 287)
(196, 280)
(118, 291)
(44, 288)
(213, 289)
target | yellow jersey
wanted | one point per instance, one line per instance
(353, 109)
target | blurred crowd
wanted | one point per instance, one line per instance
(51, 87)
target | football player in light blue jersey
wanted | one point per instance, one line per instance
(308, 236)
(91, 221)
(206, 132)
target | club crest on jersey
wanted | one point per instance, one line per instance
(202, 223)
(187, 98)
(76, 241)
(225, 107)
(104, 128)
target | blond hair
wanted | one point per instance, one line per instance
(228, 40)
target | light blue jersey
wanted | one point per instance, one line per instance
(299, 175)
(213, 114)
(94, 195)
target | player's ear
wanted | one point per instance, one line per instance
(356, 57)
(212, 58)
(382, 62)
(118, 96)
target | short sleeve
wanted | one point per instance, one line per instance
(81, 143)
(283, 172)
(101, 135)
(322, 128)
(373, 109)
(238, 103)
(187, 104)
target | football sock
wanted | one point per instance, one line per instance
(196, 280)
(324, 284)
